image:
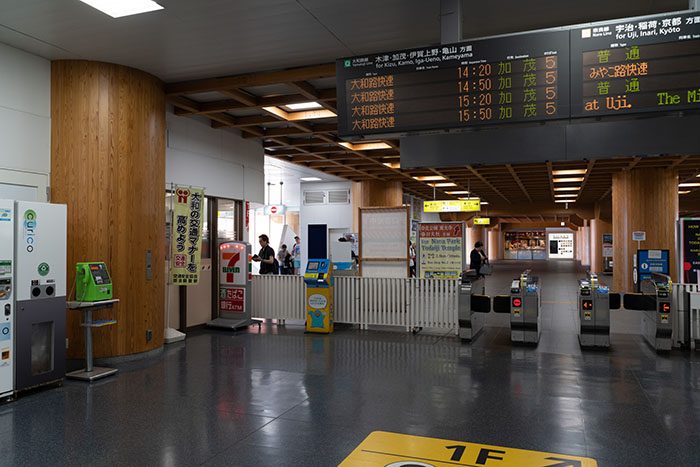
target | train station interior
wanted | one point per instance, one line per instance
(316, 233)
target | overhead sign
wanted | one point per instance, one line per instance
(647, 64)
(482, 221)
(639, 236)
(186, 235)
(275, 209)
(690, 250)
(461, 205)
(398, 450)
(508, 79)
(441, 250)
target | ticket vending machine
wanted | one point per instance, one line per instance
(234, 286)
(32, 294)
(319, 296)
(525, 309)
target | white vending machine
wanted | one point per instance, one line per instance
(33, 277)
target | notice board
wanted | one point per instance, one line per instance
(384, 236)
(690, 250)
(441, 250)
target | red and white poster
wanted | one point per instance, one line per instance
(232, 299)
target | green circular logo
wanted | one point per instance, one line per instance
(43, 269)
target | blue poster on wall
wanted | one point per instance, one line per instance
(649, 261)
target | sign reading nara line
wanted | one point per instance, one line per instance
(508, 79)
(186, 235)
(441, 250)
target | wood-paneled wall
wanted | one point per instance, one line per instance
(598, 228)
(108, 166)
(643, 199)
(375, 194)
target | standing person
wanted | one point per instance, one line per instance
(266, 257)
(282, 259)
(412, 256)
(296, 255)
(477, 258)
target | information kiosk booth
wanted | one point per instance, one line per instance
(319, 296)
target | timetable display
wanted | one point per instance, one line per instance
(649, 64)
(517, 78)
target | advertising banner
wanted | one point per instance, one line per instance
(690, 250)
(441, 250)
(186, 235)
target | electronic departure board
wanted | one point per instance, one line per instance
(518, 78)
(648, 64)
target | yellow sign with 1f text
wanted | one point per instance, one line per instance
(396, 450)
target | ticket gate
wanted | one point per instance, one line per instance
(471, 306)
(319, 296)
(656, 320)
(525, 309)
(593, 317)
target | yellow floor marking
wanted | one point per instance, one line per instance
(385, 449)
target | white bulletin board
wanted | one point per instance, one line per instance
(384, 236)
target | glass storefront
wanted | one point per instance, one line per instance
(525, 245)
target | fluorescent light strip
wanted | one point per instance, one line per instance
(443, 185)
(304, 106)
(567, 188)
(567, 195)
(568, 180)
(310, 179)
(393, 165)
(459, 192)
(684, 192)
(120, 8)
(564, 200)
(367, 146)
(688, 185)
(569, 172)
(429, 178)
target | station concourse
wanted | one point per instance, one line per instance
(319, 233)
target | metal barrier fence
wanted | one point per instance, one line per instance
(365, 301)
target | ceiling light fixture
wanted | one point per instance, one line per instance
(567, 188)
(429, 178)
(566, 195)
(310, 179)
(117, 9)
(367, 146)
(460, 192)
(393, 165)
(484, 202)
(304, 106)
(568, 180)
(684, 192)
(564, 200)
(443, 185)
(569, 172)
(688, 185)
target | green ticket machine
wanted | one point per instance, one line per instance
(92, 282)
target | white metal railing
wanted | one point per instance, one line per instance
(277, 297)
(365, 301)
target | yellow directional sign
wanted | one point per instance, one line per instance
(482, 220)
(451, 205)
(396, 450)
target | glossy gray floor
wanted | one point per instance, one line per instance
(284, 398)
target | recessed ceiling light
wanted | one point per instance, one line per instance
(393, 165)
(564, 200)
(688, 185)
(562, 223)
(469, 197)
(443, 185)
(567, 188)
(367, 146)
(684, 192)
(310, 179)
(304, 106)
(484, 202)
(460, 192)
(429, 178)
(566, 195)
(569, 172)
(568, 180)
(119, 8)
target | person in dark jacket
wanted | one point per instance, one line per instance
(266, 257)
(477, 258)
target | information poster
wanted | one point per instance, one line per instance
(690, 250)
(561, 245)
(186, 235)
(607, 245)
(441, 250)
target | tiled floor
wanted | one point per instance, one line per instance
(284, 398)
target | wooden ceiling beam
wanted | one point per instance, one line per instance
(518, 181)
(251, 80)
(486, 182)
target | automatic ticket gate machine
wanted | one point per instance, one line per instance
(525, 309)
(471, 306)
(593, 317)
(318, 278)
(656, 319)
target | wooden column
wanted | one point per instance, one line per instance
(598, 228)
(377, 193)
(108, 166)
(495, 247)
(643, 199)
